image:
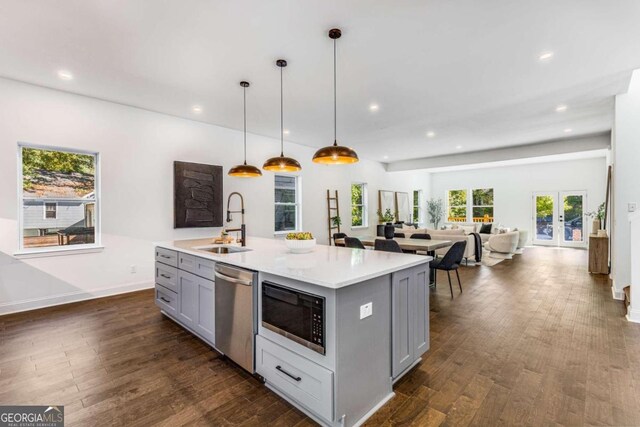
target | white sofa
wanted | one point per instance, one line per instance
(453, 235)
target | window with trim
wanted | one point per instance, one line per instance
(482, 204)
(457, 205)
(417, 207)
(359, 209)
(287, 203)
(50, 210)
(58, 198)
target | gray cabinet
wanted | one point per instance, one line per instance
(187, 293)
(299, 378)
(205, 315)
(409, 317)
(187, 298)
(196, 302)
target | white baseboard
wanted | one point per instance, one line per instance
(619, 295)
(66, 298)
(633, 315)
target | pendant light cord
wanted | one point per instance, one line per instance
(244, 94)
(281, 116)
(335, 102)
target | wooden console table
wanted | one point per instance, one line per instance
(598, 254)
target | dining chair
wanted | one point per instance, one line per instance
(399, 235)
(450, 261)
(337, 236)
(423, 236)
(353, 242)
(387, 245)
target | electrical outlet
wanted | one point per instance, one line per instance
(366, 310)
(133, 269)
(632, 207)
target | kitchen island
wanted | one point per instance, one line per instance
(333, 329)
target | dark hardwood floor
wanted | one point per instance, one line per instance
(531, 341)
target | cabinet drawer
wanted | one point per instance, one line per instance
(167, 256)
(199, 266)
(167, 300)
(306, 382)
(167, 276)
(205, 268)
(186, 262)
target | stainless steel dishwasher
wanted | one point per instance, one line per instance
(236, 308)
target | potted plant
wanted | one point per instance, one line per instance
(336, 221)
(301, 242)
(435, 210)
(386, 218)
(598, 217)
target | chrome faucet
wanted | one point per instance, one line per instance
(243, 228)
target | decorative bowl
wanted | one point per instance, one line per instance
(300, 246)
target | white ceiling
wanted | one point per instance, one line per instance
(468, 69)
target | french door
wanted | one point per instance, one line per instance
(559, 218)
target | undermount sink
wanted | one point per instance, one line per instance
(224, 249)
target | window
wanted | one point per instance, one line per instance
(287, 203)
(417, 207)
(58, 198)
(50, 210)
(482, 204)
(457, 206)
(359, 205)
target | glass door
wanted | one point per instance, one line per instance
(545, 219)
(571, 218)
(558, 218)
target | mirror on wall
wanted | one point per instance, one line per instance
(403, 207)
(386, 201)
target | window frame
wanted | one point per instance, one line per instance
(297, 204)
(449, 206)
(67, 249)
(420, 219)
(364, 205)
(44, 211)
(492, 206)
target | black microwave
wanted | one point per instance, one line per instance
(297, 315)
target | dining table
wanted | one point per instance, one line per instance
(407, 244)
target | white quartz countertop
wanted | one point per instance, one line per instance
(327, 266)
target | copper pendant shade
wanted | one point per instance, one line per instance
(335, 154)
(244, 170)
(282, 163)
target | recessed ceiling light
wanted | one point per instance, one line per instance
(196, 109)
(65, 75)
(431, 134)
(545, 56)
(567, 130)
(285, 132)
(458, 147)
(385, 157)
(374, 107)
(561, 108)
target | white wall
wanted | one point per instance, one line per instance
(626, 180)
(514, 185)
(137, 150)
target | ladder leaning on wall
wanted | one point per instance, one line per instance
(332, 211)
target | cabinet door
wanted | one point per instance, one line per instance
(187, 298)
(401, 315)
(421, 301)
(204, 322)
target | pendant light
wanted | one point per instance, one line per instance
(282, 163)
(335, 154)
(244, 170)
